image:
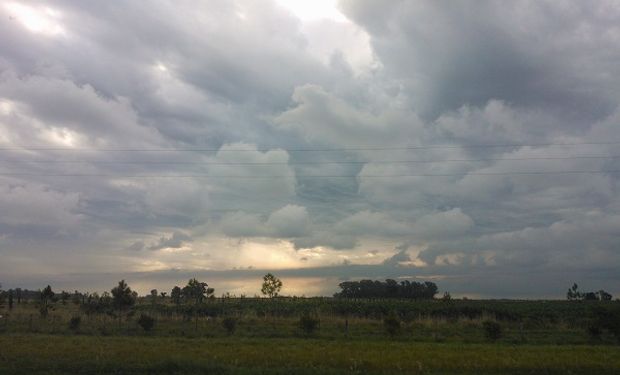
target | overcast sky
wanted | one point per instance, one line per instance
(472, 143)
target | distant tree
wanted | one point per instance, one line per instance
(590, 296)
(446, 296)
(271, 286)
(76, 298)
(573, 293)
(154, 296)
(18, 295)
(2, 297)
(64, 296)
(196, 291)
(122, 298)
(11, 299)
(604, 296)
(163, 294)
(175, 295)
(47, 298)
(387, 289)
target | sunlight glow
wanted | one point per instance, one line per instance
(6, 107)
(61, 136)
(39, 20)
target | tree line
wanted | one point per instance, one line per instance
(387, 289)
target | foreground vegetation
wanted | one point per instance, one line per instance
(45, 354)
(192, 331)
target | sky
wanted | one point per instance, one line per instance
(470, 143)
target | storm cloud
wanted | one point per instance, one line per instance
(469, 142)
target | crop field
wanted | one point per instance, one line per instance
(270, 336)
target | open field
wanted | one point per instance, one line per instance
(47, 354)
(433, 337)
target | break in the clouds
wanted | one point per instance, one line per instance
(471, 142)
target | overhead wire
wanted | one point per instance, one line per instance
(340, 149)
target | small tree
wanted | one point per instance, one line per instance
(271, 285)
(122, 298)
(47, 296)
(11, 299)
(573, 293)
(154, 296)
(175, 295)
(604, 296)
(64, 296)
(196, 291)
(146, 322)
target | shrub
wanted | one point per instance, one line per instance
(391, 323)
(594, 330)
(492, 330)
(308, 323)
(146, 322)
(229, 324)
(74, 323)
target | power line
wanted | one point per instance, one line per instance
(305, 162)
(319, 176)
(344, 149)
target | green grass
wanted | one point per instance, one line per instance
(44, 354)
(272, 343)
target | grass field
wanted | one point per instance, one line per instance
(49, 354)
(538, 337)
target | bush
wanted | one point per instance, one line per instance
(74, 323)
(607, 319)
(492, 330)
(146, 322)
(391, 323)
(594, 330)
(308, 323)
(229, 324)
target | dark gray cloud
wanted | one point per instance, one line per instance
(252, 86)
(542, 54)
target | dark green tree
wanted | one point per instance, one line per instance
(47, 299)
(146, 322)
(271, 285)
(574, 293)
(122, 299)
(154, 296)
(604, 296)
(64, 296)
(175, 295)
(196, 291)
